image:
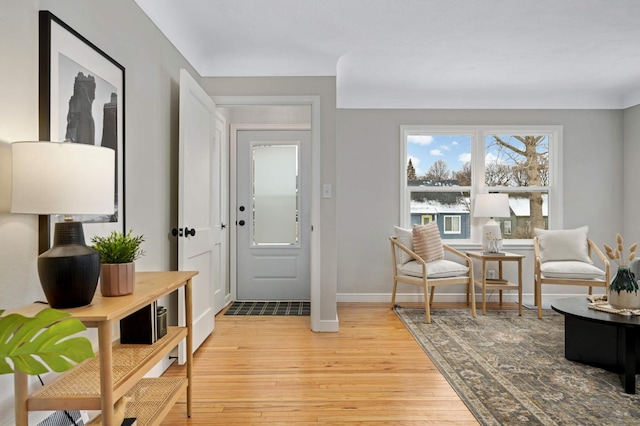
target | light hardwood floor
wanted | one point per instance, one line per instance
(274, 370)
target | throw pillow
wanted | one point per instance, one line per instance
(565, 244)
(405, 237)
(427, 243)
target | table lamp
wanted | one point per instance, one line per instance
(491, 205)
(64, 178)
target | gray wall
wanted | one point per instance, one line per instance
(631, 166)
(368, 181)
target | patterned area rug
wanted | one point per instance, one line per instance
(289, 308)
(511, 370)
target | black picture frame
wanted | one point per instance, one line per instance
(70, 64)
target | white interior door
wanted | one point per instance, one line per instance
(199, 192)
(273, 229)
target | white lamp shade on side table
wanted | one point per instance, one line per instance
(490, 206)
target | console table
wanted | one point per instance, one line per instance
(118, 369)
(601, 339)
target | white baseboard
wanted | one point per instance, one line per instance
(328, 326)
(492, 297)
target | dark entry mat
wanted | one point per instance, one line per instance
(288, 308)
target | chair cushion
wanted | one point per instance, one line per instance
(405, 237)
(565, 244)
(427, 243)
(570, 269)
(437, 269)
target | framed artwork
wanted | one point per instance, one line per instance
(81, 101)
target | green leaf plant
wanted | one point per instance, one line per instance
(118, 247)
(39, 344)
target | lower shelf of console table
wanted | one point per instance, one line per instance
(79, 389)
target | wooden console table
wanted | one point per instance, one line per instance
(118, 369)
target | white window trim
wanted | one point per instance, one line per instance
(453, 216)
(478, 133)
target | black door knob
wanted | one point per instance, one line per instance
(188, 232)
(241, 208)
(241, 223)
(176, 232)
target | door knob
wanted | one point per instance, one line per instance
(188, 232)
(241, 208)
(241, 223)
(223, 225)
(176, 232)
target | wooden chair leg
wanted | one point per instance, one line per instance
(393, 293)
(538, 287)
(473, 300)
(427, 311)
(433, 291)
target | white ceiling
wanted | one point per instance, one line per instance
(421, 53)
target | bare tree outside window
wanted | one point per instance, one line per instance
(520, 161)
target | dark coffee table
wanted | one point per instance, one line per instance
(601, 339)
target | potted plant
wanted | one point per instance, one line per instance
(623, 290)
(118, 252)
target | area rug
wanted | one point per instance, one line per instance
(288, 308)
(511, 370)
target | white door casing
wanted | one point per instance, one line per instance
(273, 215)
(317, 323)
(199, 238)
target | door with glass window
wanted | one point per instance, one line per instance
(273, 215)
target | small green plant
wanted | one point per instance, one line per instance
(36, 345)
(118, 247)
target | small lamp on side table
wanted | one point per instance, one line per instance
(64, 178)
(491, 205)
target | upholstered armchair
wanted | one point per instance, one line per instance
(418, 258)
(564, 257)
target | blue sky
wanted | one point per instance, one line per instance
(424, 150)
(455, 150)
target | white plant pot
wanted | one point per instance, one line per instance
(624, 299)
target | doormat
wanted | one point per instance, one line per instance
(254, 308)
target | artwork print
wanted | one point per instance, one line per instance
(82, 101)
(88, 108)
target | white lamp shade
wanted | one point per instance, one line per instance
(62, 178)
(491, 205)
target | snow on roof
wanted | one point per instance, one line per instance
(519, 207)
(434, 207)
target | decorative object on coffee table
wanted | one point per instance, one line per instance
(118, 252)
(623, 290)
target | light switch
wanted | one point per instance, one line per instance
(326, 190)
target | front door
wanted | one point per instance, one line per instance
(273, 226)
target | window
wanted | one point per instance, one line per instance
(443, 168)
(426, 219)
(452, 224)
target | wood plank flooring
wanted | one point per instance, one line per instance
(274, 370)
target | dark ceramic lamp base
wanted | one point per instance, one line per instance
(69, 271)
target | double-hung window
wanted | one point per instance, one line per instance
(444, 167)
